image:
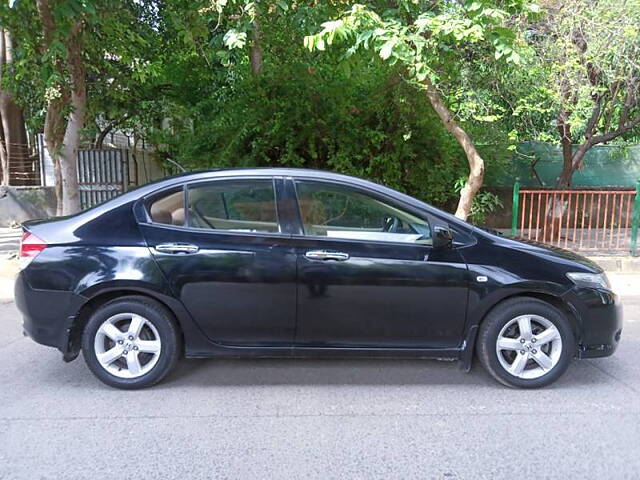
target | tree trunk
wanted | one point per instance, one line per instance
(15, 138)
(54, 126)
(16, 147)
(476, 163)
(567, 153)
(575, 160)
(54, 138)
(4, 164)
(62, 134)
(53, 141)
(75, 124)
(256, 49)
(571, 160)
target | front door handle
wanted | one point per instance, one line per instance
(177, 248)
(326, 255)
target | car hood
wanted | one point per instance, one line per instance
(550, 250)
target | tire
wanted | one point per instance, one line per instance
(131, 342)
(516, 357)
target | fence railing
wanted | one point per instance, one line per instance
(102, 174)
(593, 220)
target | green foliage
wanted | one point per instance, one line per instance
(441, 47)
(304, 110)
(120, 52)
(361, 121)
(178, 73)
(426, 36)
(596, 56)
(581, 62)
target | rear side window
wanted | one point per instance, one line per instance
(234, 205)
(168, 209)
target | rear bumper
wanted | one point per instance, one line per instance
(47, 315)
(600, 318)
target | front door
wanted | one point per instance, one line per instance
(227, 260)
(368, 276)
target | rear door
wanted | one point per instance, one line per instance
(368, 276)
(221, 245)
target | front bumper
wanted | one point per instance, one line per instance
(599, 315)
(47, 315)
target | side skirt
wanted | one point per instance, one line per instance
(325, 352)
(433, 353)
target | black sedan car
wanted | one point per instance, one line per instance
(291, 263)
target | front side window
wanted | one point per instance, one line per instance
(234, 205)
(335, 211)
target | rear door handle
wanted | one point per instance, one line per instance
(326, 255)
(177, 248)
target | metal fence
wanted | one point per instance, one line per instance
(102, 175)
(591, 220)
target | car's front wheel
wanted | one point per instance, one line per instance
(130, 342)
(525, 343)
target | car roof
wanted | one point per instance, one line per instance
(186, 177)
(260, 171)
(201, 175)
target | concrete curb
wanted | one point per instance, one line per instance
(618, 264)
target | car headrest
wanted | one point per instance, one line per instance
(160, 216)
(177, 217)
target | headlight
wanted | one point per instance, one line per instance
(590, 280)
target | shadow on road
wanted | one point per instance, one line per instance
(352, 372)
(234, 372)
(209, 374)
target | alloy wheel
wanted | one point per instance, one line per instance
(127, 345)
(529, 346)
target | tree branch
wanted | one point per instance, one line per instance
(103, 133)
(629, 101)
(607, 137)
(593, 120)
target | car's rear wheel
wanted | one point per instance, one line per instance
(525, 343)
(130, 342)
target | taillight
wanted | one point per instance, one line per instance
(30, 247)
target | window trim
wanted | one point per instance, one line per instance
(423, 215)
(147, 199)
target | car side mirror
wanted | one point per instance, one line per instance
(442, 237)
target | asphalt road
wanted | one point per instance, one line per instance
(324, 419)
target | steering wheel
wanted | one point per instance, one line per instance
(390, 224)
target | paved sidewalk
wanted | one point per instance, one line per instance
(8, 271)
(9, 240)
